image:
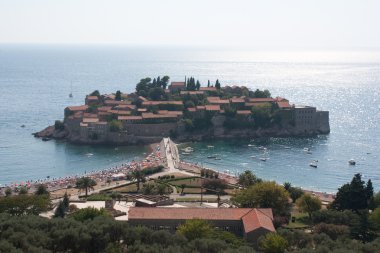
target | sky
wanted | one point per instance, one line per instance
(275, 24)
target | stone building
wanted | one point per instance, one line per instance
(249, 223)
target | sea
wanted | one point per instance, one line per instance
(36, 80)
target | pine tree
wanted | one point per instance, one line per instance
(208, 83)
(217, 84)
(198, 85)
(60, 212)
(66, 201)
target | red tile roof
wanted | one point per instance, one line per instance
(90, 120)
(237, 100)
(258, 100)
(212, 108)
(252, 218)
(177, 84)
(92, 98)
(220, 102)
(77, 108)
(162, 103)
(284, 104)
(115, 102)
(207, 88)
(150, 115)
(129, 118)
(104, 108)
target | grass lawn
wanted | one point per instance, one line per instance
(190, 182)
(302, 221)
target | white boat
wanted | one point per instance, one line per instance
(218, 158)
(210, 146)
(188, 149)
(186, 153)
(314, 164)
(306, 149)
(262, 148)
(264, 159)
(211, 156)
(352, 162)
(253, 156)
(250, 145)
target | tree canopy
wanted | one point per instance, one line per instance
(309, 204)
(264, 195)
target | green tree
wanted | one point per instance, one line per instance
(353, 196)
(95, 93)
(42, 190)
(60, 211)
(85, 183)
(115, 125)
(139, 176)
(18, 205)
(165, 81)
(118, 95)
(89, 213)
(217, 84)
(195, 228)
(156, 93)
(66, 201)
(309, 204)
(295, 193)
(264, 195)
(374, 219)
(197, 85)
(377, 200)
(247, 178)
(273, 243)
(148, 189)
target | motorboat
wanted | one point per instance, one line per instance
(211, 156)
(314, 164)
(210, 146)
(264, 159)
(218, 158)
(306, 149)
(250, 145)
(253, 156)
(352, 162)
(262, 148)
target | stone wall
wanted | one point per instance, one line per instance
(161, 130)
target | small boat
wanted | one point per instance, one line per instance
(306, 149)
(188, 149)
(287, 147)
(210, 146)
(22, 125)
(352, 162)
(314, 164)
(211, 157)
(253, 156)
(250, 145)
(218, 158)
(262, 148)
(186, 153)
(263, 159)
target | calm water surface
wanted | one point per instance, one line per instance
(35, 83)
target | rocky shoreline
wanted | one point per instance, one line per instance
(212, 134)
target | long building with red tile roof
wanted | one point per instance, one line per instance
(250, 223)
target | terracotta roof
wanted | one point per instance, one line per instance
(141, 110)
(90, 115)
(284, 104)
(120, 112)
(207, 88)
(115, 102)
(237, 100)
(243, 112)
(258, 100)
(104, 108)
(77, 108)
(162, 103)
(129, 118)
(192, 109)
(177, 84)
(150, 115)
(197, 92)
(220, 102)
(90, 120)
(169, 112)
(258, 218)
(92, 98)
(213, 98)
(142, 98)
(131, 107)
(280, 99)
(252, 218)
(212, 108)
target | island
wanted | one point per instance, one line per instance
(184, 111)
